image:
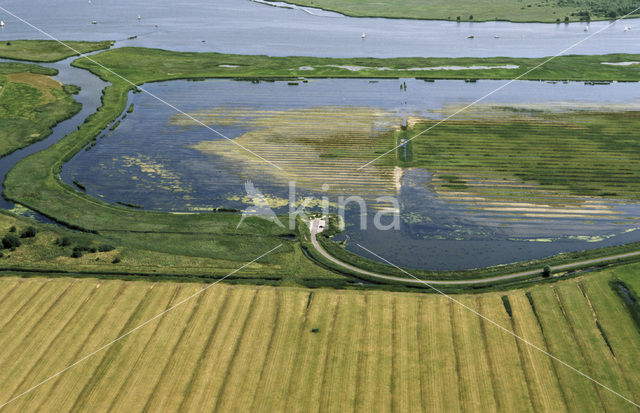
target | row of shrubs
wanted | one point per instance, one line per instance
(79, 250)
(11, 241)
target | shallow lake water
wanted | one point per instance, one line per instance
(161, 161)
(243, 26)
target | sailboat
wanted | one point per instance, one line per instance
(364, 35)
(1, 23)
(586, 29)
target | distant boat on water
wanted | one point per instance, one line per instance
(1, 23)
(364, 35)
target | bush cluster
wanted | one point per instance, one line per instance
(10, 242)
(30, 232)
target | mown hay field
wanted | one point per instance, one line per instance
(253, 348)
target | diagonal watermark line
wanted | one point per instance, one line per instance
(82, 55)
(506, 330)
(136, 328)
(475, 102)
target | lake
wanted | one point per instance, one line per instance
(161, 161)
(245, 27)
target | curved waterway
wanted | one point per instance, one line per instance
(246, 27)
(89, 96)
(161, 161)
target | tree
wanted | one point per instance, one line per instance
(30, 232)
(106, 248)
(471, 17)
(546, 272)
(10, 242)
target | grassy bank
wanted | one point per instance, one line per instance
(248, 348)
(31, 103)
(47, 50)
(141, 65)
(553, 11)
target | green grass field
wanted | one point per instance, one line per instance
(484, 10)
(241, 348)
(31, 103)
(47, 50)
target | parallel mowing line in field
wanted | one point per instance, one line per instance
(491, 362)
(527, 375)
(421, 349)
(552, 320)
(212, 371)
(100, 369)
(437, 368)
(605, 339)
(362, 348)
(34, 343)
(134, 368)
(456, 352)
(579, 345)
(371, 365)
(303, 386)
(623, 334)
(116, 367)
(8, 292)
(511, 381)
(27, 330)
(275, 328)
(272, 391)
(186, 392)
(20, 307)
(69, 344)
(480, 394)
(241, 381)
(15, 300)
(592, 358)
(394, 362)
(58, 337)
(141, 388)
(331, 339)
(228, 366)
(90, 333)
(338, 392)
(412, 377)
(545, 342)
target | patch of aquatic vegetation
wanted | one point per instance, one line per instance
(155, 171)
(572, 152)
(312, 146)
(21, 210)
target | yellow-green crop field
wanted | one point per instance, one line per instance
(252, 348)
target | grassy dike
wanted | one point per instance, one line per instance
(543, 11)
(48, 50)
(35, 181)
